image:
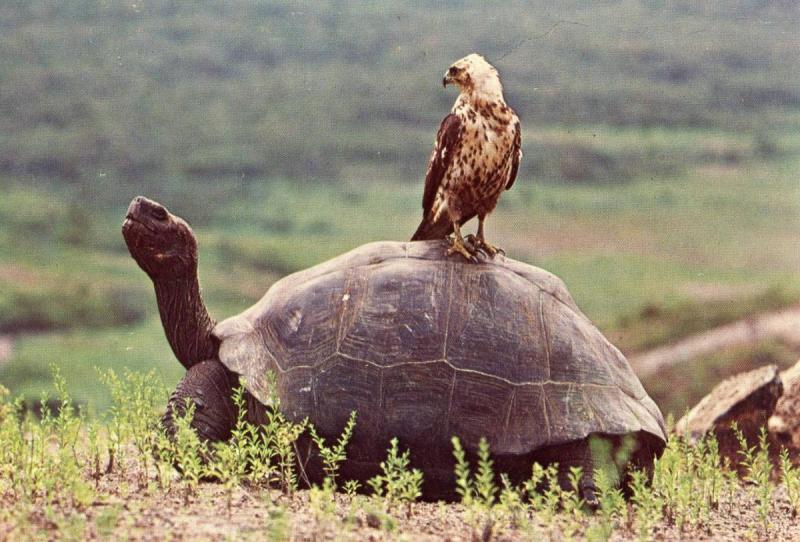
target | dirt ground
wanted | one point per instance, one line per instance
(123, 511)
(6, 348)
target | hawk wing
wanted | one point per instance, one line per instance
(446, 144)
(516, 155)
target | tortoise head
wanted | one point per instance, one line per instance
(161, 243)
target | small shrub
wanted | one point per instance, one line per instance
(543, 490)
(231, 459)
(485, 487)
(648, 507)
(790, 476)
(611, 505)
(351, 487)
(275, 459)
(39, 460)
(136, 403)
(186, 449)
(481, 488)
(463, 474)
(689, 481)
(323, 505)
(758, 472)
(398, 483)
(333, 456)
(511, 503)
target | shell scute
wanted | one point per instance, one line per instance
(300, 325)
(495, 326)
(415, 399)
(578, 352)
(297, 386)
(341, 386)
(397, 314)
(526, 426)
(568, 413)
(478, 406)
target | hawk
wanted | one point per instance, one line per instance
(476, 157)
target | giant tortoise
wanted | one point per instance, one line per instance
(423, 346)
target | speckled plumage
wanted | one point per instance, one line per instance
(477, 151)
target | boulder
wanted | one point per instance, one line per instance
(784, 424)
(746, 399)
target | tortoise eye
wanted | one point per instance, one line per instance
(159, 213)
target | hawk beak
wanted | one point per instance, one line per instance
(446, 80)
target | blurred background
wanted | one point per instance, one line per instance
(660, 176)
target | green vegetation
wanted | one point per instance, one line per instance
(96, 92)
(790, 475)
(758, 472)
(333, 456)
(65, 475)
(659, 178)
(397, 483)
(695, 378)
(655, 325)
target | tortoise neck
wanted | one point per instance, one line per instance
(186, 321)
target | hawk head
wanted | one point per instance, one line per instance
(474, 75)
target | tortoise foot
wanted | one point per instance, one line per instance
(589, 496)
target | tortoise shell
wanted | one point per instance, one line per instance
(425, 346)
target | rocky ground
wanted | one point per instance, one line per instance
(126, 512)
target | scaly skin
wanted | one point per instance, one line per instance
(165, 248)
(186, 321)
(458, 245)
(481, 241)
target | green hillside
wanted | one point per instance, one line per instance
(659, 177)
(105, 92)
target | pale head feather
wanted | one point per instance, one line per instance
(477, 77)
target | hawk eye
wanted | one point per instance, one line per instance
(452, 71)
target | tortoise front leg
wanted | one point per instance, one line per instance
(209, 386)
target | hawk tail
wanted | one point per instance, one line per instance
(428, 230)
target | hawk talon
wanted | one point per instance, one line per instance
(486, 246)
(458, 245)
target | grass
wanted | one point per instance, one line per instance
(199, 93)
(657, 324)
(649, 260)
(80, 353)
(69, 475)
